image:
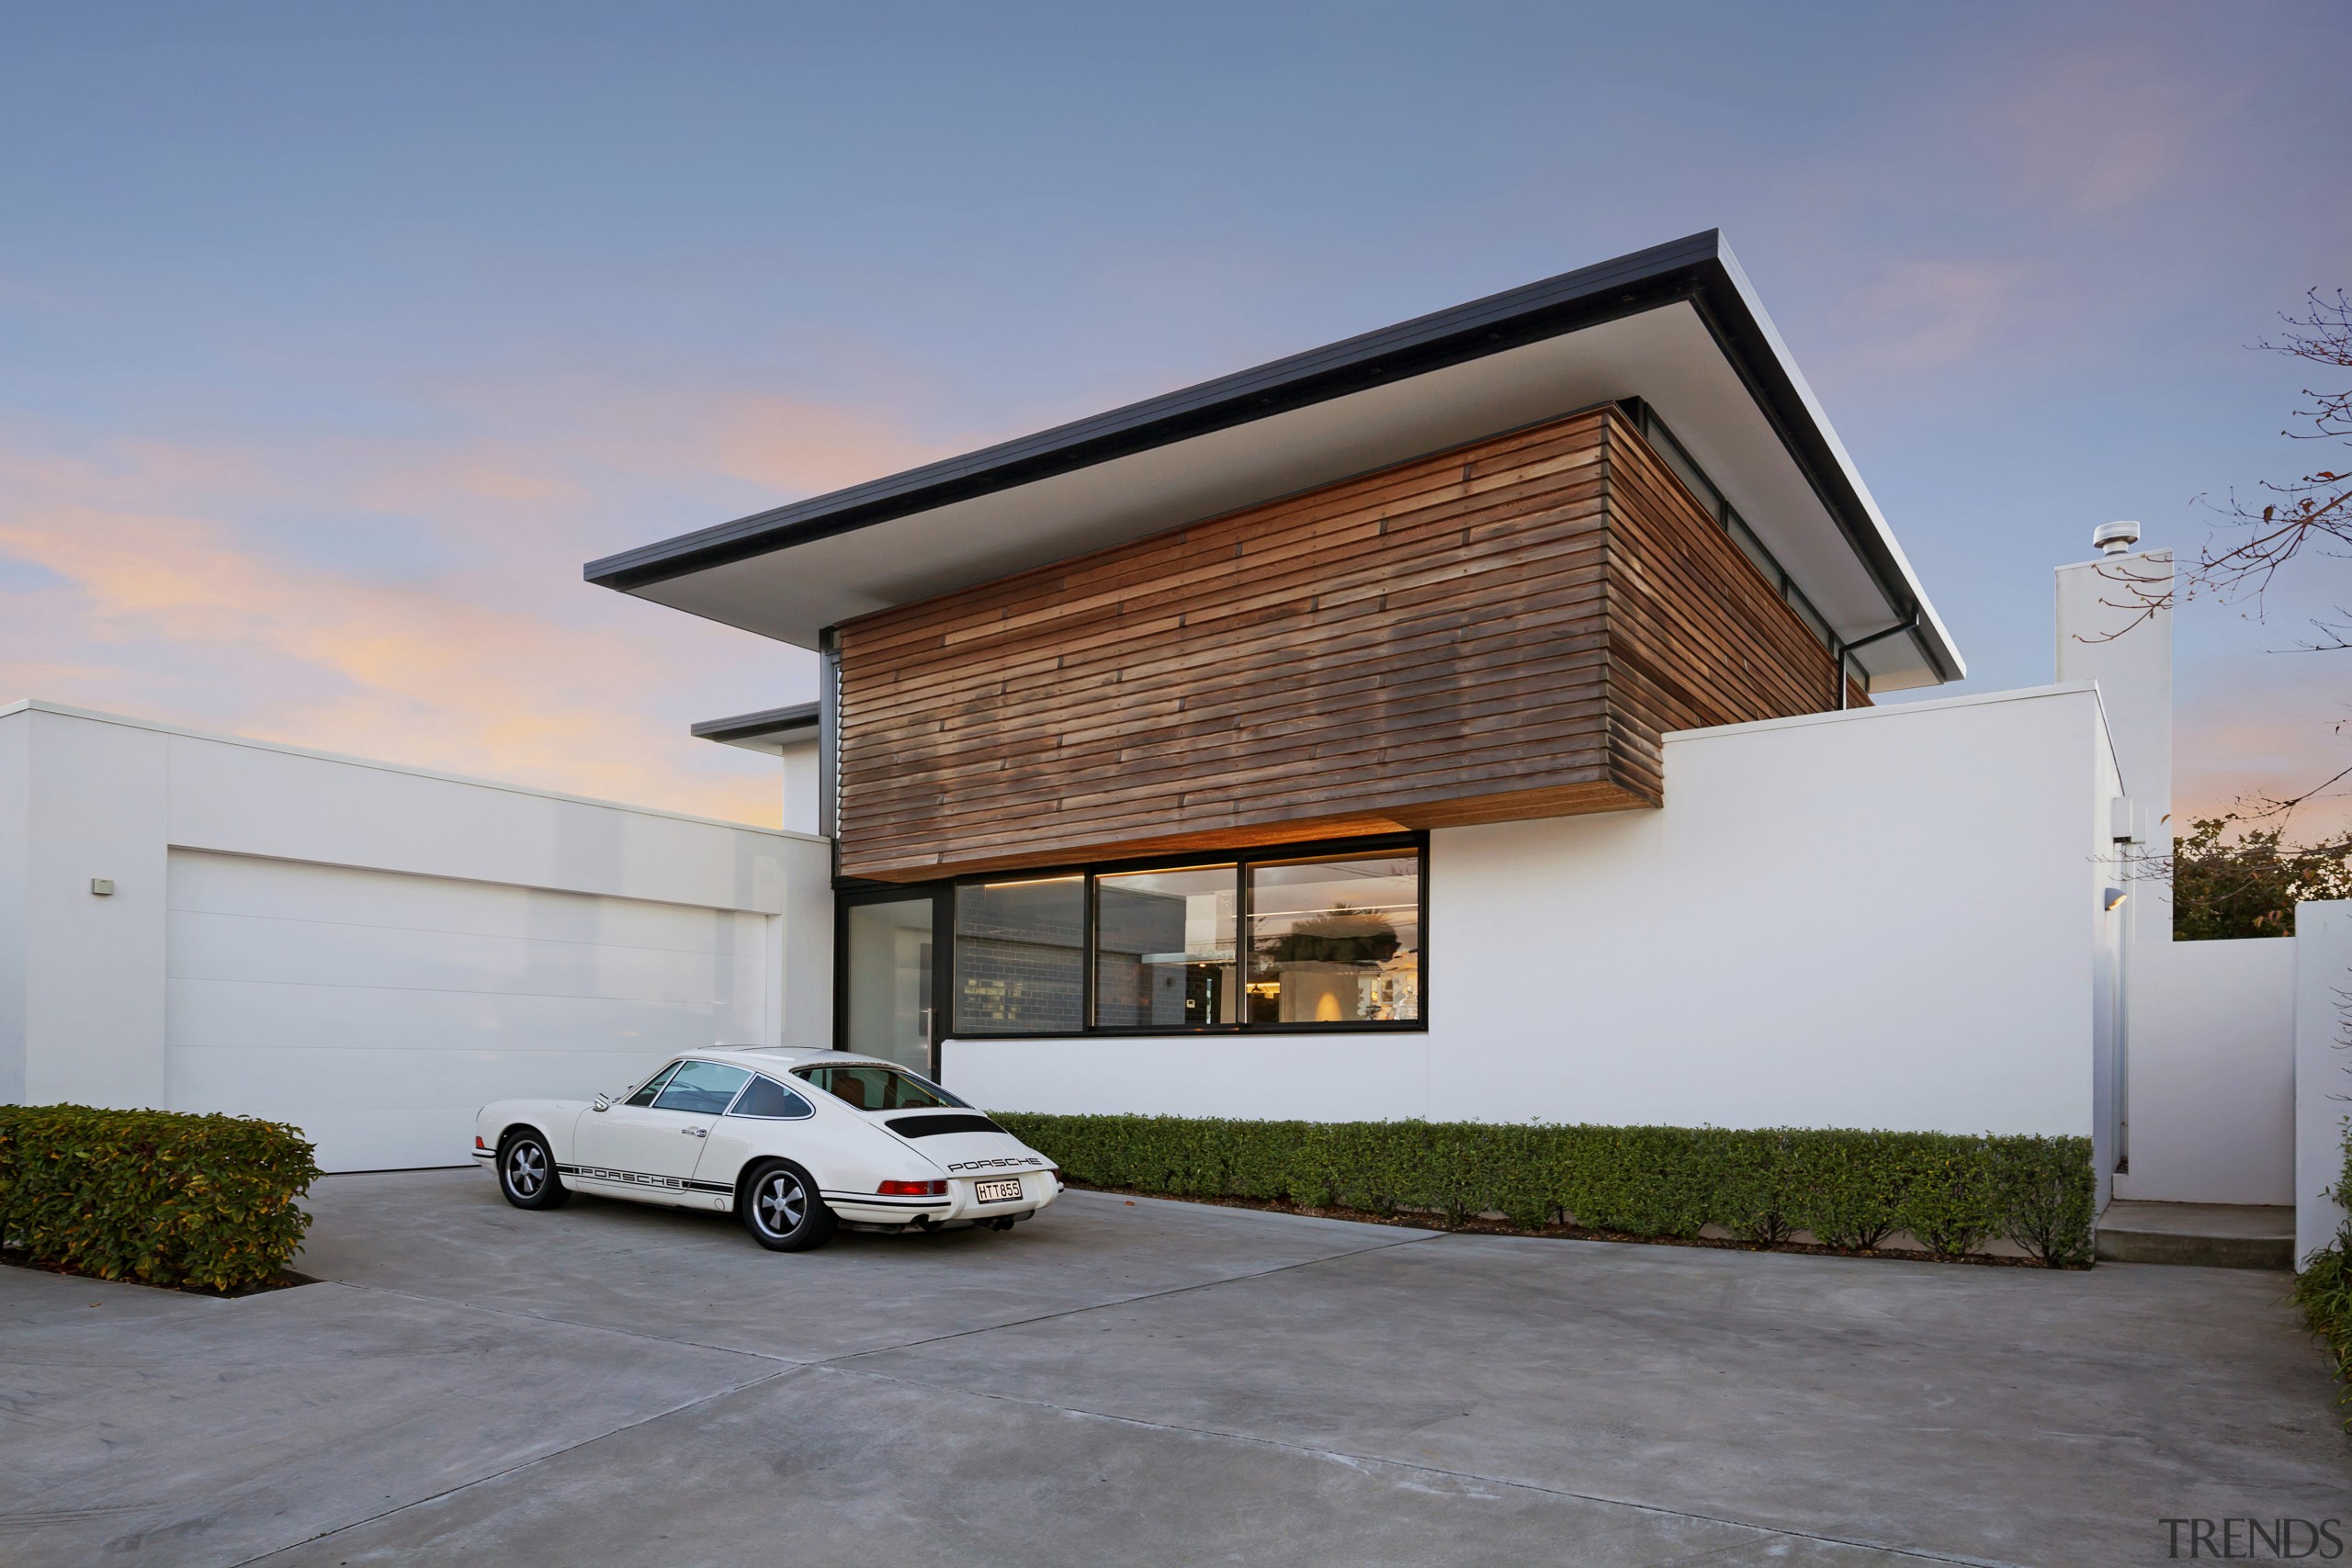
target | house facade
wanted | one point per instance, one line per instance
(1484, 718)
(1471, 719)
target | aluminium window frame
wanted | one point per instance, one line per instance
(942, 894)
(1241, 858)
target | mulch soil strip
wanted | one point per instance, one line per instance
(1473, 1226)
(285, 1279)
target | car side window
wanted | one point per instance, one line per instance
(766, 1097)
(652, 1086)
(704, 1087)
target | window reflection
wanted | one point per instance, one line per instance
(1335, 941)
(1163, 948)
(1021, 955)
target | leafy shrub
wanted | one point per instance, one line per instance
(1949, 1205)
(1849, 1189)
(2248, 886)
(2323, 1288)
(2045, 1204)
(163, 1197)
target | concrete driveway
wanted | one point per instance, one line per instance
(1140, 1382)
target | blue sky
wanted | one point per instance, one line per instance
(333, 342)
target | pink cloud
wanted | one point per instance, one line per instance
(1930, 314)
(232, 586)
(2105, 125)
(2264, 727)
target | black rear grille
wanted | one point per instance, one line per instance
(934, 1127)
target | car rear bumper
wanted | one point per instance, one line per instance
(960, 1205)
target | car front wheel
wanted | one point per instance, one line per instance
(782, 1210)
(527, 1173)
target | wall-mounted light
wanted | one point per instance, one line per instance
(2115, 896)
(103, 887)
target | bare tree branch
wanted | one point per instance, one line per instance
(2141, 592)
(2312, 513)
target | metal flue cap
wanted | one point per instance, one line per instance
(2115, 538)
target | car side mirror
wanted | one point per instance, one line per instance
(604, 1102)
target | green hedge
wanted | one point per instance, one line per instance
(1952, 1191)
(2323, 1288)
(157, 1196)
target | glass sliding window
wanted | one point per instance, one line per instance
(1163, 948)
(1336, 940)
(887, 974)
(1021, 956)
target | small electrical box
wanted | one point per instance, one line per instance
(103, 887)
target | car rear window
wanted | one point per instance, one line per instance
(879, 1088)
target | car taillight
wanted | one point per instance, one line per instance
(912, 1189)
(477, 1143)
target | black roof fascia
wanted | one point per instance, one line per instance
(1523, 315)
(752, 726)
(1697, 268)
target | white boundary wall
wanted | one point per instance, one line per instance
(2322, 947)
(89, 1005)
(2211, 1066)
(1886, 918)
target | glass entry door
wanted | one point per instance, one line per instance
(889, 980)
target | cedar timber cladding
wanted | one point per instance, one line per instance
(1499, 631)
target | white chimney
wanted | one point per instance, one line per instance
(2115, 628)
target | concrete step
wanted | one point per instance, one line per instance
(2217, 1235)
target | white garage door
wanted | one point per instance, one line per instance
(378, 1011)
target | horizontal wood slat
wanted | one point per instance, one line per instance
(1499, 631)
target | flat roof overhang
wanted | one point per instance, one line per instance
(1676, 325)
(772, 730)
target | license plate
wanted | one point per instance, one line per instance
(1004, 1192)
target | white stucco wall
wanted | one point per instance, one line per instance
(800, 782)
(2323, 1066)
(2212, 1072)
(85, 983)
(1887, 917)
(2114, 627)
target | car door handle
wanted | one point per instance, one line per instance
(695, 1131)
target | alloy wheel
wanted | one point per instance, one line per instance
(526, 1169)
(781, 1203)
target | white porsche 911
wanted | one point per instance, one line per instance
(794, 1141)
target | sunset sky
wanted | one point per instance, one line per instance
(334, 339)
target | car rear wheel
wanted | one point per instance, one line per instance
(782, 1210)
(527, 1173)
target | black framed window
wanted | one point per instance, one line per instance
(1335, 939)
(1019, 958)
(1164, 948)
(1292, 938)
